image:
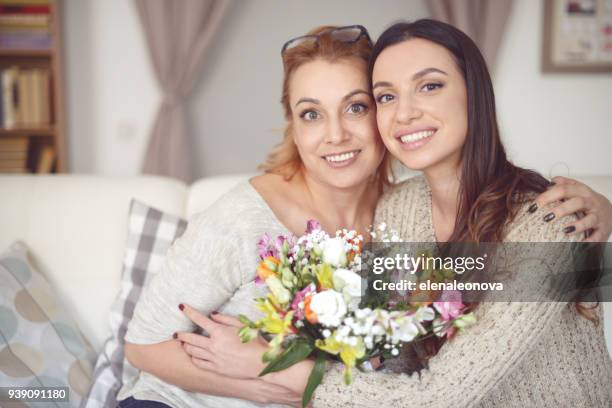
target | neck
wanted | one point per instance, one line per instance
(351, 207)
(444, 183)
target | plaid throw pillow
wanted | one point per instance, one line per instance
(150, 235)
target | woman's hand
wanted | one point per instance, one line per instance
(222, 351)
(578, 198)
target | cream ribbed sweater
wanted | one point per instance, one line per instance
(525, 354)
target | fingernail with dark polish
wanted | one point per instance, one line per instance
(549, 217)
(214, 312)
(532, 208)
(181, 306)
(182, 343)
(175, 335)
(569, 229)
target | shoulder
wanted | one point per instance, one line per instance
(531, 226)
(233, 215)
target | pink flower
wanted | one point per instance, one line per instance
(265, 247)
(299, 297)
(312, 225)
(449, 305)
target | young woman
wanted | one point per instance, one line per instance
(327, 168)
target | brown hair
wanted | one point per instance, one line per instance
(284, 158)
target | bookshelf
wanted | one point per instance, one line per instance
(32, 107)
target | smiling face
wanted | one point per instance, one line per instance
(421, 99)
(333, 122)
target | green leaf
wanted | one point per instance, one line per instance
(297, 351)
(315, 378)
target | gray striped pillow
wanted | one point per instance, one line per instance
(150, 234)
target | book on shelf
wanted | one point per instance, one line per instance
(26, 98)
(25, 27)
(46, 160)
(24, 8)
(13, 155)
(12, 144)
(24, 2)
(9, 98)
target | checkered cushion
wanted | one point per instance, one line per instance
(150, 234)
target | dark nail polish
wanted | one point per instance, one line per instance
(175, 335)
(181, 306)
(549, 217)
(569, 229)
(182, 343)
(532, 208)
(214, 312)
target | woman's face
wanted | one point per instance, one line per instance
(422, 104)
(334, 122)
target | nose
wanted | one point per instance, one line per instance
(336, 132)
(407, 110)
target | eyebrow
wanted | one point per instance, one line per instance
(355, 92)
(344, 98)
(311, 100)
(418, 75)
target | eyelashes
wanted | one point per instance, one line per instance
(354, 109)
(426, 88)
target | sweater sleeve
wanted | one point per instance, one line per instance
(471, 364)
(201, 269)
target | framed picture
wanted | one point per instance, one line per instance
(577, 36)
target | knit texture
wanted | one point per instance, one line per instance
(519, 354)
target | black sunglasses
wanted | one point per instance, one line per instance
(347, 34)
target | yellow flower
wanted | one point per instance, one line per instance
(349, 354)
(325, 274)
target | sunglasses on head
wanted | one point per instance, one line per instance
(347, 34)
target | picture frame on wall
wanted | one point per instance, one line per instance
(577, 36)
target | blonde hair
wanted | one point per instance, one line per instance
(284, 158)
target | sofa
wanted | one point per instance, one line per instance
(75, 227)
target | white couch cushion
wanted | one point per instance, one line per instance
(76, 229)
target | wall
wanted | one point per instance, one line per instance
(558, 124)
(111, 91)
(555, 123)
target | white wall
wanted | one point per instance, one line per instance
(557, 124)
(111, 90)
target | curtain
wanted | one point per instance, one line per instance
(178, 35)
(483, 20)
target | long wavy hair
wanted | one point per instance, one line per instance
(492, 188)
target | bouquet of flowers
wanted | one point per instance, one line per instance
(315, 307)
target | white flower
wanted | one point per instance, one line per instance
(424, 314)
(407, 330)
(382, 226)
(329, 306)
(333, 252)
(347, 282)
